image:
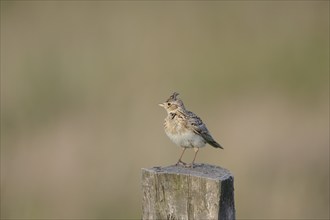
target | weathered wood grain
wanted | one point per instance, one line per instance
(176, 192)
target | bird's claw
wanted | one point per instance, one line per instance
(180, 162)
(187, 165)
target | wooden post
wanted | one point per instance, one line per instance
(176, 192)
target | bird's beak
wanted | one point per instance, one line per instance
(161, 105)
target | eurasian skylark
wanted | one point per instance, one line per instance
(185, 128)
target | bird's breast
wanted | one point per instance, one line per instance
(181, 135)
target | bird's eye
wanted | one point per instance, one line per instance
(168, 104)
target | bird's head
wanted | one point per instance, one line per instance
(173, 104)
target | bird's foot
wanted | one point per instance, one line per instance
(186, 165)
(189, 165)
(181, 163)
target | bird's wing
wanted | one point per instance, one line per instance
(197, 125)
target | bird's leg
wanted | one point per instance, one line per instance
(180, 162)
(196, 149)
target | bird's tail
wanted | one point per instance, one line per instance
(215, 144)
(208, 138)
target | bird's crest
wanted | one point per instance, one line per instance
(172, 97)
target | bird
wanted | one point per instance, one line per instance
(185, 128)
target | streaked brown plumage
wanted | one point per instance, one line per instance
(185, 128)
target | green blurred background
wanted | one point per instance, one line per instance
(81, 80)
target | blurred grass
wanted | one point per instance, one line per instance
(80, 83)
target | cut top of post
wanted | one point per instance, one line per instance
(199, 170)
